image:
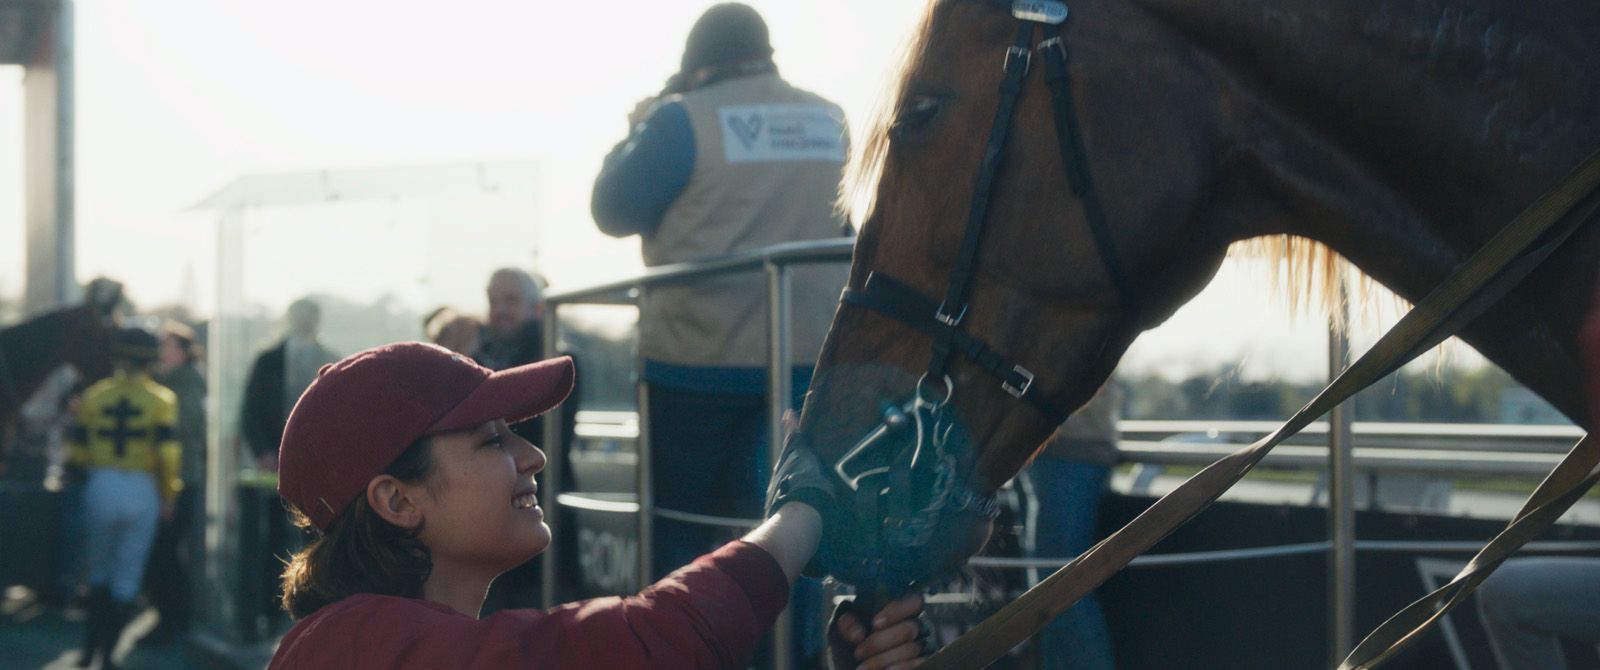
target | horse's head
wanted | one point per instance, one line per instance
(88, 329)
(1052, 303)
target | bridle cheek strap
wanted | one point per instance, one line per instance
(1075, 158)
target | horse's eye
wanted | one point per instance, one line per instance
(915, 116)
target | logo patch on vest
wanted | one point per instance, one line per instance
(779, 133)
(747, 129)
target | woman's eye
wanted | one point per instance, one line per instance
(496, 442)
(915, 116)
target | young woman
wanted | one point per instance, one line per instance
(401, 459)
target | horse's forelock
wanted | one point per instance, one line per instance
(858, 190)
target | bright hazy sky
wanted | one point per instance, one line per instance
(176, 98)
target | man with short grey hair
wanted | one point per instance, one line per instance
(513, 335)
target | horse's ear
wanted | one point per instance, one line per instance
(104, 295)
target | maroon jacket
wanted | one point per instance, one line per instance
(709, 614)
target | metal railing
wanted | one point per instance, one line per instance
(775, 262)
(1438, 449)
(1525, 438)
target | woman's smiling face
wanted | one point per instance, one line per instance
(480, 506)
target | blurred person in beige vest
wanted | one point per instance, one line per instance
(729, 157)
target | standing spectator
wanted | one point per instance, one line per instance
(461, 333)
(278, 377)
(125, 437)
(276, 380)
(515, 333)
(1066, 483)
(730, 157)
(514, 336)
(178, 553)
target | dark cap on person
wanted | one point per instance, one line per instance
(138, 345)
(361, 413)
(730, 32)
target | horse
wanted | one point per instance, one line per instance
(79, 336)
(1139, 144)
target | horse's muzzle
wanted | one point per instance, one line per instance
(907, 513)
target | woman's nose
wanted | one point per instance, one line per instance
(529, 457)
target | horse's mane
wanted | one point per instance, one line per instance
(1303, 274)
(859, 190)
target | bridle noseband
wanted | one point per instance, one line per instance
(905, 471)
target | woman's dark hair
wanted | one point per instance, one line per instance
(360, 552)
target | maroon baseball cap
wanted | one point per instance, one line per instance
(362, 412)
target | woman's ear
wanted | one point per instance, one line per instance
(394, 501)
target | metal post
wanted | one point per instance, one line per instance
(555, 454)
(219, 616)
(647, 494)
(1341, 493)
(779, 399)
(48, 155)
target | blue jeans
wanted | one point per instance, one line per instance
(122, 510)
(1529, 603)
(1065, 514)
(709, 455)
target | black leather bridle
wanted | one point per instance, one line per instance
(904, 472)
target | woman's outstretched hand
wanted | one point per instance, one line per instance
(897, 640)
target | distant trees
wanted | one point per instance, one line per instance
(1444, 395)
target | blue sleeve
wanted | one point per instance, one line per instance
(644, 174)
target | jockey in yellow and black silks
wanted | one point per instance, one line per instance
(125, 438)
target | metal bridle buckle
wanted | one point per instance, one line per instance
(1052, 12)
(1014, 54)
(946, 319)
(1054, 44)
(1027, 382)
